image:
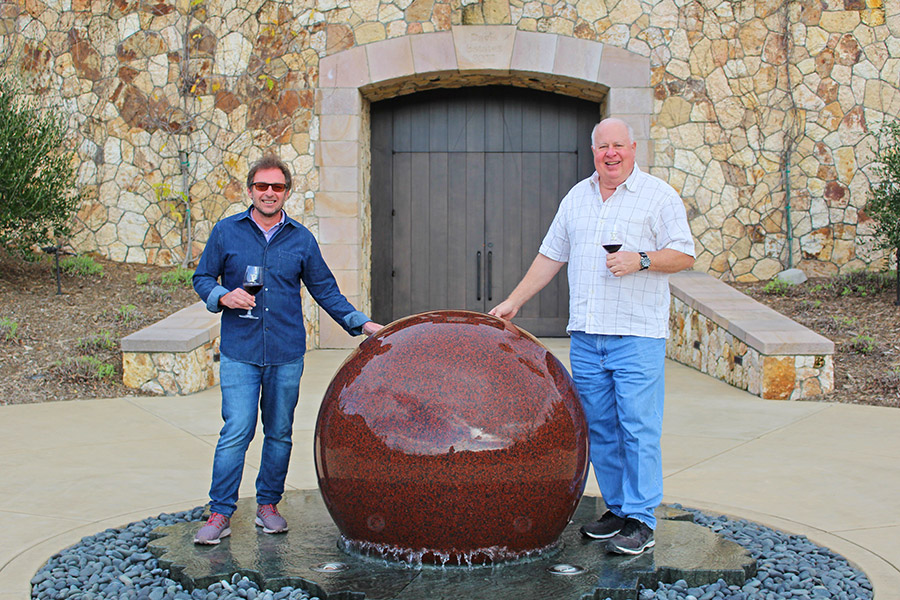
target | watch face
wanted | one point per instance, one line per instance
(645, 261)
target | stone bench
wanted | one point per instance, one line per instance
(177, 355)
(724, 333)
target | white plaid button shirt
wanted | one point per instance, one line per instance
(651, 216)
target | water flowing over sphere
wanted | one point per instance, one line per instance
(451, 437)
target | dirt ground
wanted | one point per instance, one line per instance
(857, 312)
(48, 341)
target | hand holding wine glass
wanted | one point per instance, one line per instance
(253, 283)
(612, 240)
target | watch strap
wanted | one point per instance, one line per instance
(645, 261)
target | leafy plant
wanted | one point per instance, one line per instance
(102, 341)
(83, 266)
(127, 313)
(83, 368)
(777, 287)
(863, 344)
(141, 279)
(884, 196)
(37, 173)
(859, 283)
(8, 329)
(179, 277)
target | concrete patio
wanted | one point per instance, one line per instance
(827, 471)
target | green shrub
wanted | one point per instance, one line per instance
(864, 344)
(127, 313)
(141, 278)
(84, 368)
(859, 283)
(179, 277)
(777, 287)
(37, 172)
(8, 329)
(95, 343)
(82, 266)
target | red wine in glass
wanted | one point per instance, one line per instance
(611, 240)
(253, 283)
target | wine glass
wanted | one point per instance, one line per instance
(611, 239)
(253, 282)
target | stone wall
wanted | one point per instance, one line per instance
(170, 100)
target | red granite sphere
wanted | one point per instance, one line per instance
(451, 437)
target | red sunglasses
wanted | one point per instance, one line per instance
(261, 186)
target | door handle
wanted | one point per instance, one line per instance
(490, 256)
(478, 275)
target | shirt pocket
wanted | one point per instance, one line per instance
(288, 265)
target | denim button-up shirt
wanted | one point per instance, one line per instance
(291, 257)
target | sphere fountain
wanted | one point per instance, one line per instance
(451, 437)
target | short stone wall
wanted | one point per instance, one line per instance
(726, 334)
(178, 355)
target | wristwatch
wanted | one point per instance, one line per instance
(645, 261)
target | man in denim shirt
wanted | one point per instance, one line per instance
(262, 358)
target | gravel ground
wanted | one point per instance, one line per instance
(116, 564)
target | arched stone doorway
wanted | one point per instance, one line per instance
(465, 56)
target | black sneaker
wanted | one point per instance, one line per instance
(607, 526)
(634, 538)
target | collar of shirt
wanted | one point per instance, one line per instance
(630, 182)
(272, 230)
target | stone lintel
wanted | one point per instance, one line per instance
(484, 47)
(579, 59)
(390, 59)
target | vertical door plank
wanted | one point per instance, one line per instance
(382, 195)
(437, 232)
(420, 193)
(402, 249)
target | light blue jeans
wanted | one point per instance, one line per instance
(621, 381)
(246, 390)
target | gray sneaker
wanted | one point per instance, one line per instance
(604, 528)
(268, 518)
(216, 528)
(634, 538)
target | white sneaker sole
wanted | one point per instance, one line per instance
(259, 523)
(225, 533)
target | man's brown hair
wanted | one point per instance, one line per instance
(269, 162)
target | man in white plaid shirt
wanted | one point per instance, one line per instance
(618, 322)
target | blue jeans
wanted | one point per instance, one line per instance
(620, 379)
(274, 391)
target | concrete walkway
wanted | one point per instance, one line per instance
(827, 471)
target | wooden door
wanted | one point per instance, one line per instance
(464, 186)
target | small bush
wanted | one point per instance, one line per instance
(180, 277)
(127, 313)
(8, 329)
(859, 283)
(81, 266)
(864, 344)
(84, 368)
(97, 343)
(141, 279)
(777, 287)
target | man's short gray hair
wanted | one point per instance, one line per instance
(628, 128)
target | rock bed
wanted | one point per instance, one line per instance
(116, 564)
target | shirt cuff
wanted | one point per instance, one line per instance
(354, 322)
(212, 301)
